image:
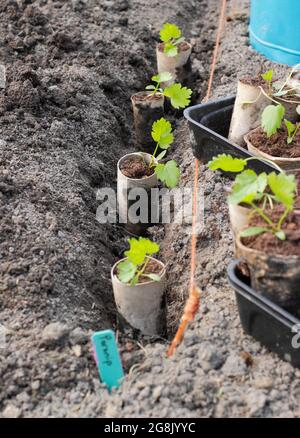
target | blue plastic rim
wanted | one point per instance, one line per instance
(275, 29)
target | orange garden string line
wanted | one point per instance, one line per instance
(193, 301)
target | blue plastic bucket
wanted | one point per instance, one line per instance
(275, 29)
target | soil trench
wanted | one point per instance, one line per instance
(65, 121)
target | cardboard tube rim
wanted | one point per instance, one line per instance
(139, 154)
(255, 151)
(245, 249)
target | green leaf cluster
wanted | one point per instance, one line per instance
(158, 79)
(168, 173)
(162, 133)
(179, 96)
(131, 269)
(227, 163)
(268, 76)
(170, 35)
(258, 190)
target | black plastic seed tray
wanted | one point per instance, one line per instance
(268, 323)
(209, 126)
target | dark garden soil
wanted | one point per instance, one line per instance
(276, 145)
(269, 243)
(136, 168)
(65, 120)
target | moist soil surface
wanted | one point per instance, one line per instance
(269, 243)
(136, 168)
(66, 119)
(276, 145)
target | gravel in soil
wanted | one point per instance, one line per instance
(276, 145)
(65, 119)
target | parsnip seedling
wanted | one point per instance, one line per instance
(271, 121)
(268, 77)
(168, 173)
(133, 268)
(179, 96)
(158, 79)
(258, 190)
(292, 128)
(171, 36)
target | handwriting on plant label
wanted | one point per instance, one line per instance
(107, 358)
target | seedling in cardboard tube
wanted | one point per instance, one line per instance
(286, 89)
(179, 96)
(258, 190)
(171, 36)
(133, 268)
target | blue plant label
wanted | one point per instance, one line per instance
(108, 358)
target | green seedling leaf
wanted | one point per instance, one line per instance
(169, 32)
(139, 249)
(126, 271)
(283, 187)
(170, 50)
(161, 155)
(298, 109)
(253, 231)
(149, 247)
(291, 129)
(153, 277)
(227, 163)
(180, 96)
(271, 118)
(162, 133)
(162, 77)
(247, 187)
(281, 235)
(168, 173)
(262, 182)
(150, 87)
(268, 76)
